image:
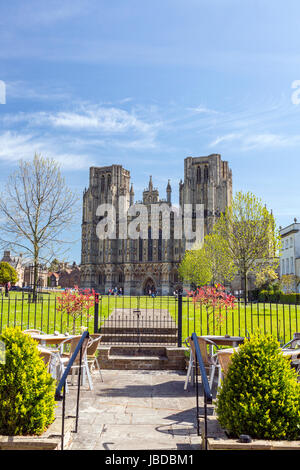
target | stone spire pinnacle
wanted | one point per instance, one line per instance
(131, 195)
(150, 184)
(169, 190)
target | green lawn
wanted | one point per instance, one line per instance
(280, 320)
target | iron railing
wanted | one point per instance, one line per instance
(206, 388)
(62, 385)
(161, 320)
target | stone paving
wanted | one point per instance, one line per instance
(136, 410)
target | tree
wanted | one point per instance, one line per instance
(74, 303)
(215, 300)
(36, 207)
(209, 264)
(194, 269)
(218, 260)
(266, 277)
(251, 239)
(7, 274)
(54, 265)
(289, 282)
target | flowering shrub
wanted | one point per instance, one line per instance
(215, 300)
(75, 302)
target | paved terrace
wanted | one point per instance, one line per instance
(136, 410)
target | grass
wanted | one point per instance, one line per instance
(281, 320)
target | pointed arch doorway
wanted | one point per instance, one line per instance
(149, 285)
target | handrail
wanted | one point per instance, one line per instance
(62, 384)
(69, 365)
(206, 388)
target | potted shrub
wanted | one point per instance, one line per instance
(260, 395)
(26, 388)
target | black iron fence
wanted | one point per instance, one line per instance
(150, 320)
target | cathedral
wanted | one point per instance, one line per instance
(139, 265)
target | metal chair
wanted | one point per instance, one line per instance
(64, 358)
(210, 360)
(92, 351)
(294, 343)
(33, 332)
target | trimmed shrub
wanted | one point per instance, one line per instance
(292, 298)
(260, 395)
(269, 296)
(26, 388)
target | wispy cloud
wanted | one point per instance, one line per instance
(107, 120)
(257, 141)
(22, 90)
(15, 146)
(202, 110)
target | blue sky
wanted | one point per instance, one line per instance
(146, 84)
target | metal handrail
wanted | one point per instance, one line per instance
(62, 384)
(69, 365)
(206, 388)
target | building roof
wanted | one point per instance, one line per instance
(289, 229)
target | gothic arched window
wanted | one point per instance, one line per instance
(206, 173)
(140, 249)
(102, 183)
(198, 174)
(150, 245)
(159, 254)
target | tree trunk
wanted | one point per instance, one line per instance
(35, 273)
(245, 288)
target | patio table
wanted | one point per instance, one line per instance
(45, 339)
(292, 353)
(225, 340)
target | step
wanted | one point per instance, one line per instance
(137, 351)
(137, 358)
(134, 330)
(151, 339)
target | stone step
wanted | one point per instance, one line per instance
(142, 357)
(136, 339)
(137, 351)
(137, 358)
(142, 330)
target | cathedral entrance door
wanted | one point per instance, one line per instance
(149, 287)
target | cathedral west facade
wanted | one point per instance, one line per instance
(142, 264)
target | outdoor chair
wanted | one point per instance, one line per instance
(33, 332)
(51, 360)
(224, 358)
(210, 360)
(64, 358)
(45, 355)
(294, 344)
(92, 352)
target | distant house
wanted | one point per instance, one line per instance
(17, 262)
(67, 276)
(25, 270)
(290, 254)
(53, 279)
(29, 275)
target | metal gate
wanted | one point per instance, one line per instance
(139, 320)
